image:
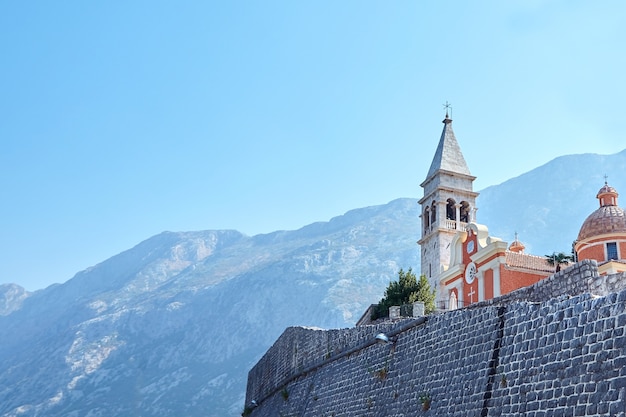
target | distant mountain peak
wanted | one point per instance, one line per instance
(11, 298)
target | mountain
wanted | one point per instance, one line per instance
(172, 326)
(547, 205)
(11, 298)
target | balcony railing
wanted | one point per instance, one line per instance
(444, 305)
(450, 224)
(446, 224)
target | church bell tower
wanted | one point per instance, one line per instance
(448, 205)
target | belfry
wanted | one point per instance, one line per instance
(448, 204)
(462, 262)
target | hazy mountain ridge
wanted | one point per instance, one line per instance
(547, 205)
(174, 323)
(11, 298)
(171, 326)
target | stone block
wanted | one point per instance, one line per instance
(418, 309)
(618, 383)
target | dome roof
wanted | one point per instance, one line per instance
(517, 246)
(606, 189)
(609, 218)
(606, 219)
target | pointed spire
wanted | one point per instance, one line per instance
(448, 156)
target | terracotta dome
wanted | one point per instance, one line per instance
(609, 218)
(517, 246)
(606, 189)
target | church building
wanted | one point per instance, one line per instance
(464, 264)
(461, 261)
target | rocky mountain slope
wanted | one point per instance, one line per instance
(11, 298)
(171, 326)
(547, 205)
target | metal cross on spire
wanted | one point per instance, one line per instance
(605, 179)
(447, 106)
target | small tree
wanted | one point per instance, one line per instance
(558, 259)
(424, 294)
(406, 290)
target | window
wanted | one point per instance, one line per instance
(465, 212)
(451, 209)
(611, 251)
(433, 212)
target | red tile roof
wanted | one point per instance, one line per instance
(525, 261)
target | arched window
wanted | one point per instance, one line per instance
(433, 212)
(465, 212)
(451, 209)
(426, 218)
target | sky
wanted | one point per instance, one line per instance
(121, 120)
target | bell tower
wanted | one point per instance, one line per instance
(448, 205)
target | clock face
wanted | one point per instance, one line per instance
(470, 273)
(470, 246)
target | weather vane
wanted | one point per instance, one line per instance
(447, 106)
(605, 179)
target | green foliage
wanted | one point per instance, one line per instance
(558, 258)
(424, 294)
(406, 290)
(398, 292)
(424, 398)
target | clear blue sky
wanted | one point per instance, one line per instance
(121, 120)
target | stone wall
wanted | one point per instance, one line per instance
(579, 278)
(300, 349)
(550, 350)
(564, 357)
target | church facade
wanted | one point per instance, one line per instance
(464, 264)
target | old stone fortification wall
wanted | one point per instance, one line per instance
(579, 278)
(563, 355)
(299, 349)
